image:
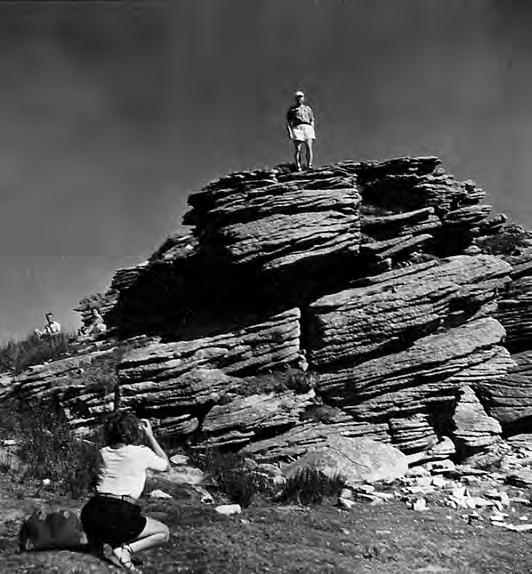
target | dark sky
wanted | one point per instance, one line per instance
(112, 112)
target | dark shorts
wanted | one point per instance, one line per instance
(112, 521)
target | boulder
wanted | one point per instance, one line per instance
(355, 459)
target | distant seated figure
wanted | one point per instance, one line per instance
(50, 329)
(96, 325)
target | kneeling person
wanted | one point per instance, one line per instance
(113, 517)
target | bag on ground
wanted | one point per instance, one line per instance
(48, 530)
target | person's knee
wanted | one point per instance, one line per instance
(164, 533)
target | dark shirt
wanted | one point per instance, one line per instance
(299, 114)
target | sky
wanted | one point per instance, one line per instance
(111, 113)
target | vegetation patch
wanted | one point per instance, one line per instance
(51, 452)
(15, 356)
(234, 475)
(310, 486)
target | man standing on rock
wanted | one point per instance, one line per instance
(300, 125)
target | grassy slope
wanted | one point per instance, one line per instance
(377, 539)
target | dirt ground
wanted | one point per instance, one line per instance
(388, 538)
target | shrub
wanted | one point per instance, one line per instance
(309, 486)
(232, 474)
(51, 451)
(15, 356)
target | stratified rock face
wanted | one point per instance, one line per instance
(274, 219)
(473, 428)
(509, 399)
(255, 347)
(515, 313)
(189, 390)
(73, 384)
(413, 433)
(402, 304)
(308, 435)
(245, 418)
(407, 183)
(399, 284)
(427, 373)
(355, 459)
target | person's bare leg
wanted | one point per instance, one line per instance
(154, 533)
(297, 154)
(310, 153)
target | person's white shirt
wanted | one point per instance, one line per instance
(123, 469)
(53, 328)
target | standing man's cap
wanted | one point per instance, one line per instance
(299, 93)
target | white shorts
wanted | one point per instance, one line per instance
(303, 133)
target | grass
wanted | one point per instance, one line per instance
(309, 486)
(233, 474)
(51, 452)
(15, 356)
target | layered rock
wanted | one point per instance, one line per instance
(256, 347)
(74, 384)
(473, 429)
(509, 399)
(244, 419)
(400, 305)
(276, 219)
(427, 373)
(391, 273)
(515, 312)
(307, 435)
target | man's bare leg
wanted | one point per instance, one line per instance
(297, 154)
(310, 153)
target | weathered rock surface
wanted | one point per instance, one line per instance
(308, 435)
(515, 313)
(427, 373)
(386, 285)
(276, 219)
(355, 459)
(473, 429)
(509, 398)
(253, 347)
(404, 304)
(245, 418)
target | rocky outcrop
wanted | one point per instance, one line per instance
(355, 300)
